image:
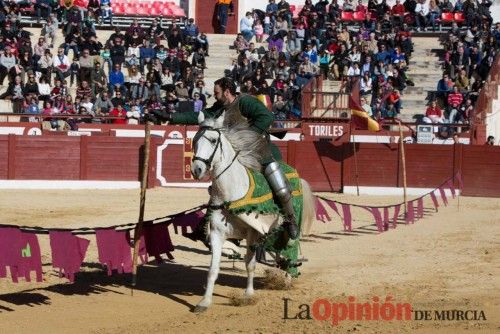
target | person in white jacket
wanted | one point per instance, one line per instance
(421, 12)
(61, 65)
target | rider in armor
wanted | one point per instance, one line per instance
(237, 106)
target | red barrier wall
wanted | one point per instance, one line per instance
(328, 166)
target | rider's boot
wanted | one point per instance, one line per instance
(283, 191)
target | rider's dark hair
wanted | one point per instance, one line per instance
(226, 83)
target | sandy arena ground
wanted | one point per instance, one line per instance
(445, 261)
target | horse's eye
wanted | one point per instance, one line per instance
(213, 141)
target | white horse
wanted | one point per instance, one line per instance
(225, 154)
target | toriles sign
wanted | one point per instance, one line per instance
(325, 130)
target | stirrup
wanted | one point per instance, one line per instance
(291, 229)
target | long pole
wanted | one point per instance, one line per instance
(356, 173)
(144, 182)
(403, 163)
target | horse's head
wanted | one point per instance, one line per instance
(207, 144)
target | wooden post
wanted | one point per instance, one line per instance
(403, 163)
(356, 174)
(144, 183)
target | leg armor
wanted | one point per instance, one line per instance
(281, 188)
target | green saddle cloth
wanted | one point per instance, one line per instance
(259, 199)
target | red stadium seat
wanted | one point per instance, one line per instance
(165, 11)
(154, 11)
(459, 17)
(141, 9)
(347, 16)
(447, 17)
(359, 16)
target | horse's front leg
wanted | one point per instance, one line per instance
(217, 238)
(250, 261)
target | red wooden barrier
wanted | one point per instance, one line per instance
(328, 166)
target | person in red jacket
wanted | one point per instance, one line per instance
(433, 114)
(118, 111)
(398, 13)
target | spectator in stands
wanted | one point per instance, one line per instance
(365, 106)
(462, 82)
(190, 31)
(106, 12)
(117, 80)
(117, 52)
(246, 26)
(366, 84)
(398, 13)
(308, 69)
(15, 93)
(455, 97)
(103, 104)
(421, 12)
(490, 141)
(61, 65)
(49, 30)
(7, 62)
(284, 11)
(433, 114)
(434, 14)
(444, 86)
(120, 113)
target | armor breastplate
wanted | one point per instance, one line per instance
(233, 114)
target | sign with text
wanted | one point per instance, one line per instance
(325, 130)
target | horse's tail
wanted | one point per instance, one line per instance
(309, 208)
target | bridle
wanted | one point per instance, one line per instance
(208, 162)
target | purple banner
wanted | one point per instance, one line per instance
(452, 188)
(346, 210)
(395, 216)
(434, 200)
(420, 207)
(443, 196)
(321, 213)
(114, 250)
(68, 252)
(410, 213)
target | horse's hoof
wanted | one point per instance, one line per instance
(200, 309)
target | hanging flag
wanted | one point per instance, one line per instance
(158, 240)
(68, 252)
(434, 200)
(359, 118)
(10, 252)
(31, 257)
(377, 216)
(332, 205)
(395, 216)
(410, 213)
(443, 196)
(420, 207)
(346, 210)
(386, 218)
(362, 121)
(114, 250)
(452, 187)
(321, 213)
(143, 254)
(184, 221)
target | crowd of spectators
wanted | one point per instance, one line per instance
(137, 69)
(468, 57)
(374, 54)
(145, 68)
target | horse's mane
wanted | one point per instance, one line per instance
(252, 146)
